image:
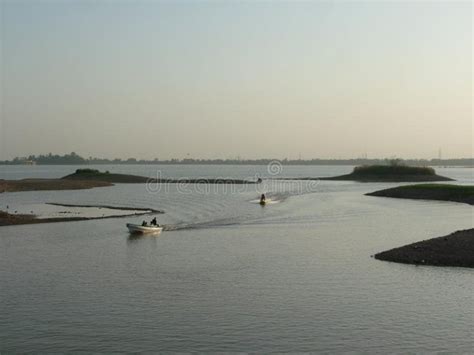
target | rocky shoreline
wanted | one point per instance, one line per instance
(436, 192)
(456, 249)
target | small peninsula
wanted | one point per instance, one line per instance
(437, 192)
(8, 219)
(96, 175)
(90, 178)
(456, 249)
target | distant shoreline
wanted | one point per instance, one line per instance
(250, 163)
(75, 159)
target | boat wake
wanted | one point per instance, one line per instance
(225, 211)
(268, 201)
(203, 225)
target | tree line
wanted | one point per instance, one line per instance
(75, 159)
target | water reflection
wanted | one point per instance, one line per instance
(293, 277)
(136, 237)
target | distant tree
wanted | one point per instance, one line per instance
(396, 162)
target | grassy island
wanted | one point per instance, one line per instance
(456, 249)
(438, 192)
(384, 173)
(96, 175)
(391, 173)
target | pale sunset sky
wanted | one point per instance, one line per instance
(220, 79)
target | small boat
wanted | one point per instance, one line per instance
(138, 228)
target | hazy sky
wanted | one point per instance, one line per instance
(223, 79)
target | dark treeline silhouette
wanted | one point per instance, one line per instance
(75, 159)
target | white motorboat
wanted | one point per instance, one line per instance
(138, 228)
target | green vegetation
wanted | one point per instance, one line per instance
(49, 159)
(381, 170)
(96, 175)
(439, 192)
(88, 171)
(395, 172)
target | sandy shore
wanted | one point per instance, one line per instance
(456, 249)
(48, 184)
(8, 219)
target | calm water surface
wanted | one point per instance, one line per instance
(229, 275)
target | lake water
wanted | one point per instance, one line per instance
(230, 275)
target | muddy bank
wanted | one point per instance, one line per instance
(49, 184)
(79, 181)
(437, 192)
(8, 219)
(151, 210)
(456, 249)
(95, 175)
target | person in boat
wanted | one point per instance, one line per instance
(144, 224)
(153, 222)
(262, 198)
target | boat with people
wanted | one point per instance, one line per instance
(143, 228)
(138, 228)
